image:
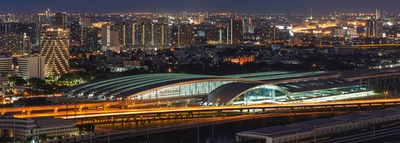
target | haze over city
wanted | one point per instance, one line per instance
(253, 6)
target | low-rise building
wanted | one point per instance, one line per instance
(36, 128)
(321, 129)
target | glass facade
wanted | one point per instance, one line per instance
(275, 94)
(301, 96)
(184, 91)
(262, 94)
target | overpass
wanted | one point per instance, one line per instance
(110, 109)
(52, 110)
(358, 104)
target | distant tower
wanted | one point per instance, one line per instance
(250, 28)
(311, 14)
(378, 14)
(374, 29)
(48, 15)
(60, 19)
(235, 33)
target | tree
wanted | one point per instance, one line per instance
(17, 81)
(36, 82)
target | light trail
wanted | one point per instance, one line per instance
(218, 108)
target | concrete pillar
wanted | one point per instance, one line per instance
(56, 110)
(105, 106)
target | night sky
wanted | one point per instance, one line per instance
(256, 6)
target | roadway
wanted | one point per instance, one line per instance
(340, 104)
(83, 110)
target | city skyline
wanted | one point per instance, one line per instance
(253, 6)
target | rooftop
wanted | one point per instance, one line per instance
(381, 113)
(276, 131)
(129, 85)
(354, 117)
(319, 123)
(48, 122)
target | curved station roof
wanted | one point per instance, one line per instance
(127, 85)
(224, 88)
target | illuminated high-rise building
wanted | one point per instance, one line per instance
(110, 38)
(60, 19)
(42, 19)
(374, 29)
(28, 29)
(85, 21)
(48, 16)
(89, 41)
(250, 28)
(216, 35)
(201, 18)
(31, 67)
(266, 33)
(183, 35)
(75, 33)
(378, 14)
(6, 64)
(54, 45)
(161, 35)
(235, 31)
(16, 44)
(126, 35)
(149, 35)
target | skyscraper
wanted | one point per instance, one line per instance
(374, 29)
(30, 29)
(75, 33)
(250, 28)
(235, 31)
(378, 14)
(48, 16)
(216, 35)
(125, 35)
(110, 38)
(60, 19)
(183, 35)
(16, 44)
(150, 35)
(162, 35)
(54, 48)
(90, 39)
(85, 21)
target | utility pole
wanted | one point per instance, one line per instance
(315, 135)
(374, 131)
(14, 129)
(212, 132)
(198, 132)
